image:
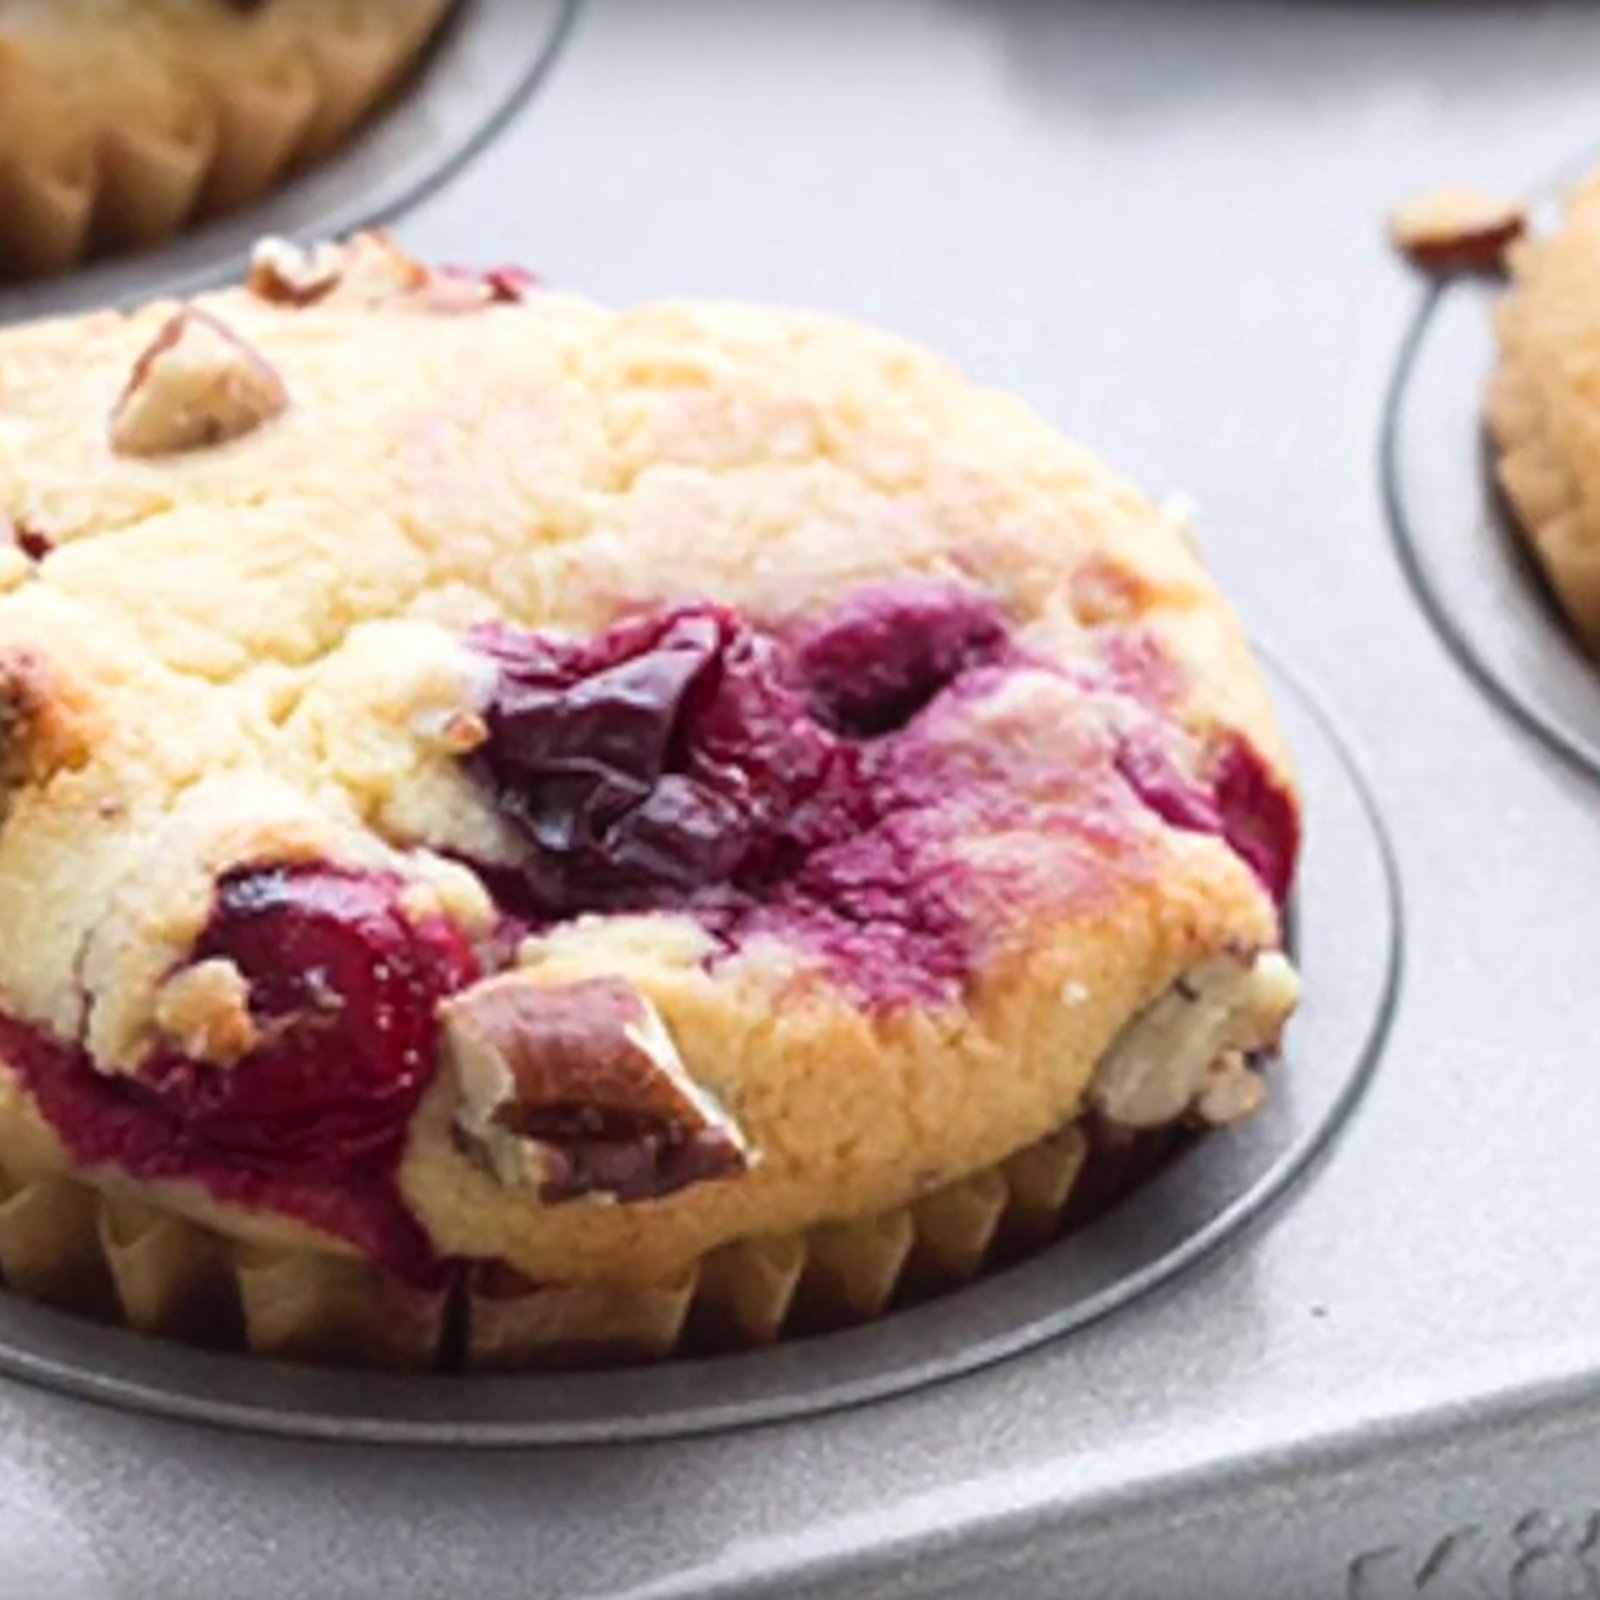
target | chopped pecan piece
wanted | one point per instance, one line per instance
(1190, 1049)
(198, 384)
(1457, 230)
(288, 274)
(1232, 1091)
(577, 1089)
(376, 269)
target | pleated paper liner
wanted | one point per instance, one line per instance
(121, 1260)
(188, 138)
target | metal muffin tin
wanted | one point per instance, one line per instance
(1161, 222)
(479, 73)
(1346, 941)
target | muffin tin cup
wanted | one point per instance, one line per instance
(116, 1260)
(106, 1255)
(475, 77)
(1457, 538)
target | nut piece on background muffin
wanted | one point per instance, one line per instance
(1457, 230)
(683, 819)
(121, 121)
(1542, 411)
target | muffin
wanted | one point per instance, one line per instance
(1543, 413)
(589, 830)
(123, 120)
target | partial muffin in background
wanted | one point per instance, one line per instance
(1544, 406)
(123, 121)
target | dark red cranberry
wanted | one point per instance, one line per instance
(686, 749)
(31, 542)
(886, 654)
(661, 757)
(506, 286)
(1260, 819)
(685, 758)
(1244, 804)
(1172, 794)
(343, 991)
(511, 285)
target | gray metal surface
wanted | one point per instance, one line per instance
(478, 76)
(1346, 943)
(1161, 221)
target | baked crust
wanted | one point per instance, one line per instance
(1542, 409)
(254, 652)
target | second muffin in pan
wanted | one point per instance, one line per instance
(1544, 406)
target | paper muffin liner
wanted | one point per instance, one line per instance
(191, 138)
(118, 1259)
